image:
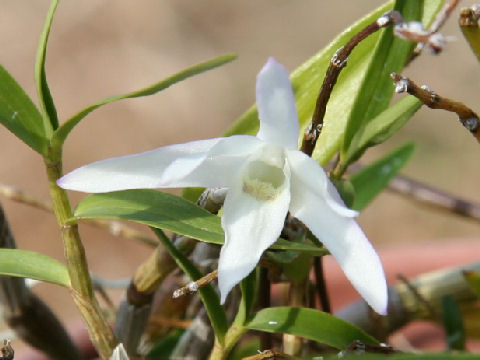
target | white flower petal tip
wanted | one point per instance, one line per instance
(119, 353)
(271, 62)
(276, 106)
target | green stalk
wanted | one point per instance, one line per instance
(232, 336)
(81, 286)
(237, 329)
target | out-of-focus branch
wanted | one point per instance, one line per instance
(439, 21)
(434, 198)
(30, 318)
(115, 228)
(404, 305)
(467, 116)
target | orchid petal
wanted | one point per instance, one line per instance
(346, 242)
(314, 179)
(219, 168)
(251, 225)
(189, 164)
(276, 106)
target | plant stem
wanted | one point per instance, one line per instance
(81, 285)
(232, 336)
(292, 344)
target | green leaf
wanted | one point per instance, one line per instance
(453, 324)
(390, 55)
(382, 127)
(19, 115)
(473, 280)
(29, 264)
(50, 118)
(311, 324)
(156, 209)
(209, 297)
(168, 212)
(62, 132)
(307, 80)
(372, 179)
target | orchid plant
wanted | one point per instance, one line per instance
(266, 176)
(268, 210)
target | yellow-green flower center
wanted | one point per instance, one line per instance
(262, 180)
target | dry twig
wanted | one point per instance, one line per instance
(467, 116)
(439, 21)
(193, 286)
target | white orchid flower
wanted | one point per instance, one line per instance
(266, 176)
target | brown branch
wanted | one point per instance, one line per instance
(404, 306)
(467, 116)
(435, 198)
(337, 63)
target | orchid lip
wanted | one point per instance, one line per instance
(262, 180)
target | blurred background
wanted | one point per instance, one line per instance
(102, 48)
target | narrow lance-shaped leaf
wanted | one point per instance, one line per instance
(372, 179)
(453, 324)
(19, 114)
(169, 212)
(62, 132)
(50, 118)
(382, 127)
(376, 91)
(29, 264)
(209, 297)
(310, 324)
